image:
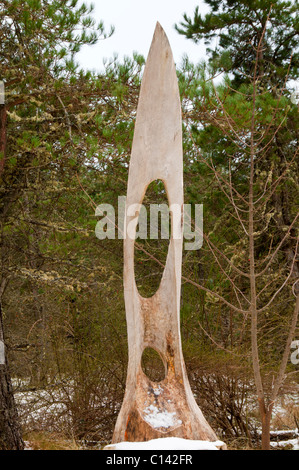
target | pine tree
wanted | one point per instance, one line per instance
(239, 27)
(258, 47)
(39, 40)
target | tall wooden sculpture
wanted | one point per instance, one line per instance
(167, 408)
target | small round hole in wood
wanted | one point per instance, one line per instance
(152, 365)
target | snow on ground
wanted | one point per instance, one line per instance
(50, 409)
(42, 406)
(289, 443)
(167, 443)
(27, 446)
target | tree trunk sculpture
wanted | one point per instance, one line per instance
(167, 408)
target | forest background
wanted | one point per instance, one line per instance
(65, 142)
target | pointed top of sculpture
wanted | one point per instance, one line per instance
(159, 29)
(160, 41)
(159, 81)
(157, 144)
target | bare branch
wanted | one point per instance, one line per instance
(284, 283)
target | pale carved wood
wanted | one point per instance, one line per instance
(155, 322)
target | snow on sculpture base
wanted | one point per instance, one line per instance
(168, 443)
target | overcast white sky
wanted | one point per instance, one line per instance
(135, 22)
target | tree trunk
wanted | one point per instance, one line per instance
(10, 435)
(266, 416)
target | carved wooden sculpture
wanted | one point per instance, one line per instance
(152, 410)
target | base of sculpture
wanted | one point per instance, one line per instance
(155, 410)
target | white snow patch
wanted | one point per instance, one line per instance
(291, 442)
(285, 431)
(27, 446)
(167, 443)
(160, 419)
(158, 390)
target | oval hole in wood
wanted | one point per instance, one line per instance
(152, 365)
(148, 272)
